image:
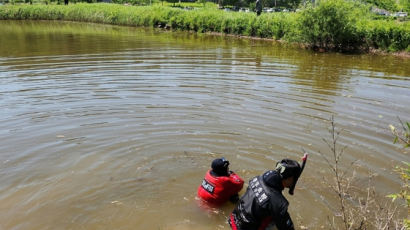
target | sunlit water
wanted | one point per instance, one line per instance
(114, 128)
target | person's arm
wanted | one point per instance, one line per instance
(284, 222)
(235, 185)
(236, 182)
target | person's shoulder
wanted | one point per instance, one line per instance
(222, 180)
(236, 178)
(210, 176)
(279, 201)
(234, 175)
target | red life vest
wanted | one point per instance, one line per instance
(218, 190)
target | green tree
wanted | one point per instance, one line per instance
(404, 5)
(332, 25)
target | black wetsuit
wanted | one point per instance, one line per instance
(262, 204)
(258, 7)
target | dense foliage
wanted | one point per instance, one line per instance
(347, 26)
(402, 135)
(391, 5)
(333, 24)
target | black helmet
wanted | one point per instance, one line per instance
(288, 168)
(220, 166)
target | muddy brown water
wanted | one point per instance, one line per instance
(106, 127)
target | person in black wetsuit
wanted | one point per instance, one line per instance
(263, 205)
(258, 7)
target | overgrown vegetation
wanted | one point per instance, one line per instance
(391, 5)
(404, 193)
(359, 207)
(347, 26)
(332, 25)
(402, 135)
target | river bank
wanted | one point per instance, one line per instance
(335, 25)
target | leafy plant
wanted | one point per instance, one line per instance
(384, 4)
(403, 136)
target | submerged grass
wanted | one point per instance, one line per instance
(312, 26)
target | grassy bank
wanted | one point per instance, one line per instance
(334, 25)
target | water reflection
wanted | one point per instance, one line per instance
(322, 75)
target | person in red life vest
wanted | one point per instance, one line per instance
(263, 205)
(220, 184)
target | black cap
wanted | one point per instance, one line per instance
(288, 168)
(220, 166)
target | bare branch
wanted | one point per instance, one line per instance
(327, 161)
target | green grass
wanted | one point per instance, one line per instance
(334, 25)
(188, 4)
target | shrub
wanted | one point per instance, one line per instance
(387, 35)
(331, 25)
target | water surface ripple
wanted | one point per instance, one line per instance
(113, 128)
